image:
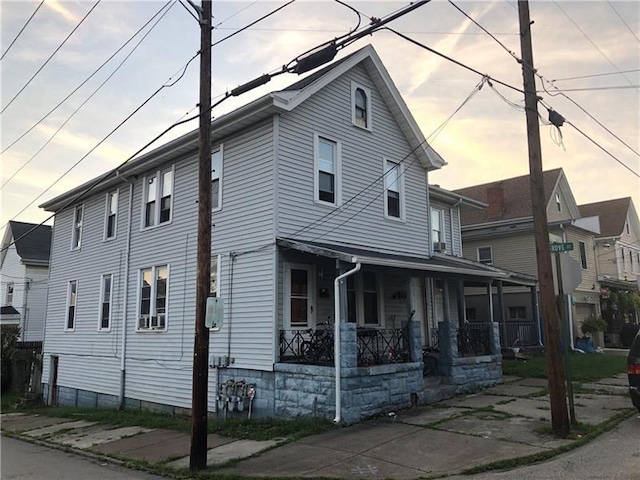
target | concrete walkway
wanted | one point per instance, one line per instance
(500, 423)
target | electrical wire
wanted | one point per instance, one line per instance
(603, 149)
(21, 30)
(593, 43)
(86, 80)
(592, 89)
(238, 12)
(593, 75)
(88, 98)
(624, 21)
(50, 57)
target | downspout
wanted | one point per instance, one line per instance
(125, 297)
(336, 336)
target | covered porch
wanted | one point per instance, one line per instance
(393, 310)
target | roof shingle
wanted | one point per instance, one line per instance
(31, 245)
(612, 213)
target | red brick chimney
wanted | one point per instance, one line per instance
(495, 199)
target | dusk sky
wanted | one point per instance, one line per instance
(589, 51)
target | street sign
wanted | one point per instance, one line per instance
(561, 247)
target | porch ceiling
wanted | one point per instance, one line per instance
(440, 264)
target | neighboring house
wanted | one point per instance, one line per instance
(503, 235)
(618, 256)
(308, 182)
(24, 270)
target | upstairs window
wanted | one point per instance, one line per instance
(393, 184)
(111, 215)
(216, 180)
(158, 198)
(153, 298)
(485, 255)
(627, 228)
(583, 255)
(624, 265)
(327, 177)
(361, 106)
(76, 234)
(72, 301)
(106, 284)
(436, 226)
(9, 295)
(558, 202)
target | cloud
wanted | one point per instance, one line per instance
(63, 11)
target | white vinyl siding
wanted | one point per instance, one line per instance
(105, 311)
(72, 303)
(217, 166)
(327, 171)
(394, 203)
(76, 233)
(361, 106)
(111, 215)
(158, 198)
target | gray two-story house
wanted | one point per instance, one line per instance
(327, 177)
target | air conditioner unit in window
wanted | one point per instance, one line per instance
(143, 322)
(439, 246)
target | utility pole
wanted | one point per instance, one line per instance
(200, 382)
(555, 370)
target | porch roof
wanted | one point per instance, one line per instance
(441, 264)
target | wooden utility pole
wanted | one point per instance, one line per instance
(200, 385)
(549, 310)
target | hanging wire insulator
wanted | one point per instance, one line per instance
(316, 59)
(266, 78)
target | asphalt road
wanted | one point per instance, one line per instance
(612, 456)
(25, 461)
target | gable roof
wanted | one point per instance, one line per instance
(514, 194)
(32, 246)
(263, 108)
(612, 213)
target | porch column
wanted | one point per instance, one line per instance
(446, 308)
(348, 331)
(494, 338)
(447, 334)
(490, 301)
(501, 316)
(415, 303)
(462, 316)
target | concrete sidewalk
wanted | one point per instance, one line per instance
(505, 422)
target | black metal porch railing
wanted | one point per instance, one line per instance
(308, 346)
(519, 334)
(474, 339)
(380, 346)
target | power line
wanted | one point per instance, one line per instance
(593, 75)
(624, 21)
(86, 80)
(332, 30)
(592, 42)
(592, 89)
(92, 94)
(22, 29)
(50, 56)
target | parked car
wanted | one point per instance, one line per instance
(633, 371)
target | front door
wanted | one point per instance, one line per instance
(299, 296)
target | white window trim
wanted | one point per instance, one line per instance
(102, 277)
(316, 170)
(441, 225)
(145, 185)
(153, 291)
(10, 286)
(558, 202)
(68, 304)
(359, 283)
(367, 91)
(401, 190)
(478, 254)
(220, 176)
(586, 258)
(311, 289)
(73, 227)
(106, 215)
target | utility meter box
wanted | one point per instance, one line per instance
(215, 313)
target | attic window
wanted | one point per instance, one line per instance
(558, 202)
(361, 106)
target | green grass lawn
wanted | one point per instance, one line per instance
(584, 367)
